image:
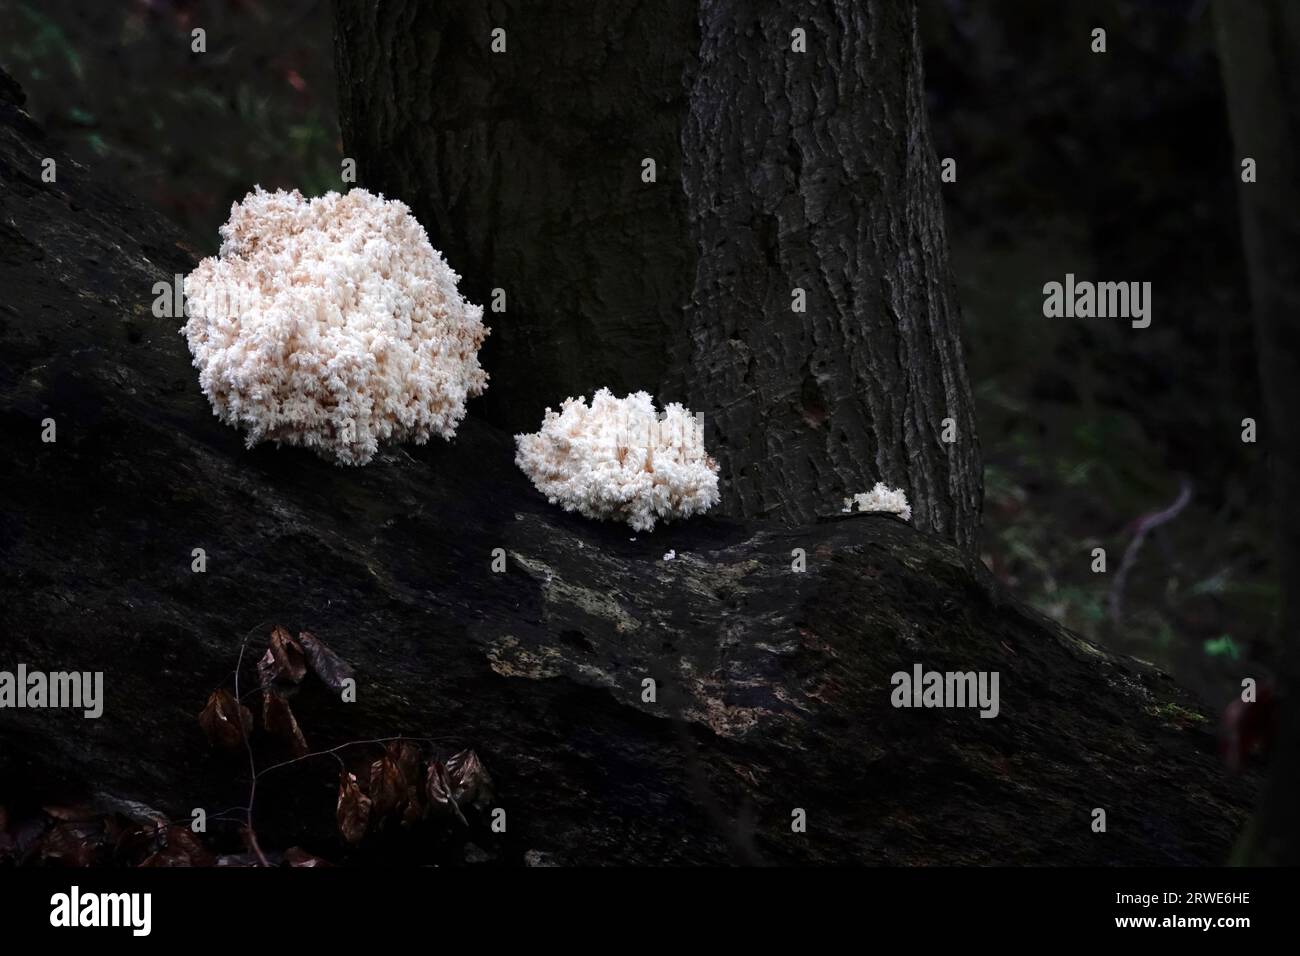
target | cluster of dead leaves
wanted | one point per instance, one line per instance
(401, 788)
(73, 836)
(227, 723)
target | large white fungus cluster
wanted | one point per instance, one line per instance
(881, 499)
(619, 459)
(331, 323)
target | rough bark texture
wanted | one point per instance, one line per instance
(776, 171)
(1260, 52)
(773, 686)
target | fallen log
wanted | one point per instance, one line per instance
(771, 687)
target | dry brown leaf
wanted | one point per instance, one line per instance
(437, 787)
(278, 719)
(327, 665)
(73, 844)
(353, 809)
(387, 787)
(266, 670)
(290, 659)
(407, 757)
(183, 849)
(296, 856)
(224, 722)
(187, 841)
(471, 784)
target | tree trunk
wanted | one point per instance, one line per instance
(776, 171)
(1259, 46)
(773, 687)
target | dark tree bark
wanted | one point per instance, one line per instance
(1259, 46)
(776, 171)
(773, 686)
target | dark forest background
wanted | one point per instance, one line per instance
(1116, 166)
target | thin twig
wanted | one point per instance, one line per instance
(350, 743)
(1145, 525)
(252, 764)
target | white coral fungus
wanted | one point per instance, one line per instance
(331, 323)
(880, 498)
(619, 459)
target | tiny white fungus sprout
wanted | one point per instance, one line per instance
(881, 498)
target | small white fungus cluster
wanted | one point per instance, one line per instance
(880, 498)
(332, 323)
(619, 459)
